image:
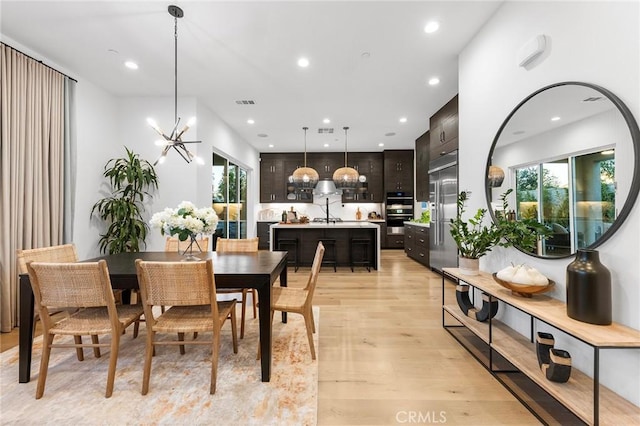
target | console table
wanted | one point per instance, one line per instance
(582, 395)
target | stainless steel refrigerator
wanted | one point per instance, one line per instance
(443, 194)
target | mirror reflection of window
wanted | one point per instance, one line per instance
(595, 195)
(544, 192)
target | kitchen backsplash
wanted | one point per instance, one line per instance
(273, 211)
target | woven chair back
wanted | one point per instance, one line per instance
(80, 285)
(234, 245)
(174, 244)
(176, 283)
(315, 271)
(62, 253)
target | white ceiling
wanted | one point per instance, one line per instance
(370, 60)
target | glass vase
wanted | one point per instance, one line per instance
(188, 252)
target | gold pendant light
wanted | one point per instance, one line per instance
(305, 178)
(346, 178)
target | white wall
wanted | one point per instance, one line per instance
(594, 42)
(97, 118)
(218, 137)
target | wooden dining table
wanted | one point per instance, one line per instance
(257, 270)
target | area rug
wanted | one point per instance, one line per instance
(179, 387)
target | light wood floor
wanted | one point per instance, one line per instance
(384, 357)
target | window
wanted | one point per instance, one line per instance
(229, 197)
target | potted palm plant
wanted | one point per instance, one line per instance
(130, 178)
(475, 239)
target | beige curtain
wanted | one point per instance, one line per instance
(31, 166)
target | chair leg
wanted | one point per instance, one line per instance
(113, 361)
(215, 350)
(136, 328)
(181, 338)
(44, 364)
(313, 321)
(308, 322)
(95, 341)
(148, 356)
(234, 330)
(79, 353)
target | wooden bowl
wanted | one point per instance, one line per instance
(524, 290)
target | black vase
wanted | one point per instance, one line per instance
(589, 289)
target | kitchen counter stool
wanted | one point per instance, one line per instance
(290, 245)
(359, 253)
(330, 257)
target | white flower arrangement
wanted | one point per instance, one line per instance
(185, 221)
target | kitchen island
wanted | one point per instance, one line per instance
(308, 235)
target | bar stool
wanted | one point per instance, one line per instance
(362, 246)
(290, 245)
(330, 250)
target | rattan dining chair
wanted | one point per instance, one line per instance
(174, 244)
(85, 286)
(299, 300)
(189, 289)
(234, 245)
(59, 253)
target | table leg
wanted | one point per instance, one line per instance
(283, 283)
(25, 330)
(264, 318)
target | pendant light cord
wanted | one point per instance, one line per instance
(175, 71)
(305, 145)
(345, 145)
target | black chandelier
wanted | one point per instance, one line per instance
(174, 140)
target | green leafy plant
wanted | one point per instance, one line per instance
(475, 239)
(130, 179)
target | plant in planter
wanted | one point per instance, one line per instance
(474, 239)
(131, 179)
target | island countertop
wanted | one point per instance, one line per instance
(331, 225)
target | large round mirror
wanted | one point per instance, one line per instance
(570, 152)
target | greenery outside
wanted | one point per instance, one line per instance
(130, 179)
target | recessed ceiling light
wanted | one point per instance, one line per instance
(131, 65)
(390, 134)
(431, 27)
(433, 81)
(303, 62)
(263, 135)
(381, 144)
(326, 121)
(403, 119)
(326, 145)
(270, 145)
(556, 118)
(251, 121)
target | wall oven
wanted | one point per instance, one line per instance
(399, 208)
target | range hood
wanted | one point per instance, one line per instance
(326, 187)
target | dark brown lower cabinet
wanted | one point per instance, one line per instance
(416, 243)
